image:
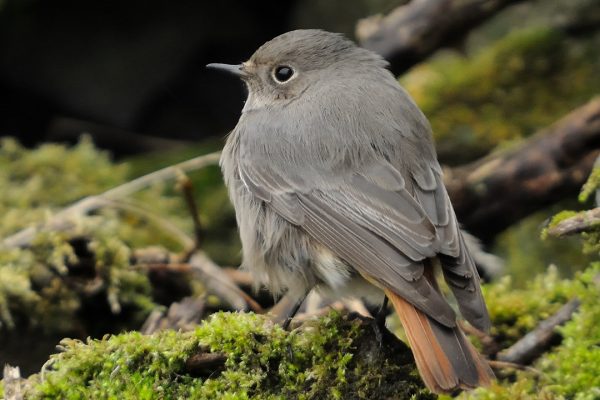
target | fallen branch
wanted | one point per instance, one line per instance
(582, 222)
(493, 193)
(415, 30)
(536, 342)
(214, 278)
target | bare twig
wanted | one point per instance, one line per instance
(185, 185)
(218, 282)
(532, 345)
(240, 277)
(582, 222)
(490, 346)
(182, 315)
(165, 224)
(60, 221)
(415, 30)
(495, 364)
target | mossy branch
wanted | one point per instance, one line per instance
(415, 30)
(491, 194)
(536, 342)
(581, 222)
(236, 355)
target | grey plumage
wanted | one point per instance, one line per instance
(335, 180)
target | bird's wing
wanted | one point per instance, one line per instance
(458, 266)
(368, 218)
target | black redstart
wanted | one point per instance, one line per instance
(336, 186)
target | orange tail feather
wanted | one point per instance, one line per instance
(446, 360)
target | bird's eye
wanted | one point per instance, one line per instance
(283, 73)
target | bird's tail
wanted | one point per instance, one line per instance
(446, 360)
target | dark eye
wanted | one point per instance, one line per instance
(283, 73)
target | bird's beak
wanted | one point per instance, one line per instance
(237, 70)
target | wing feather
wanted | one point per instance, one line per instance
(384, 229)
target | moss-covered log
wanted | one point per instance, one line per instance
(491, 194)
(335, 357)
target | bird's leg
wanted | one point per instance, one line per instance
(293, 311)
(379, 324)
(382, 313)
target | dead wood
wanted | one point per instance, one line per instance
(415, 30)
(493, 193)
(536, 342)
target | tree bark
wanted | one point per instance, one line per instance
(491, 194)
(415, 30)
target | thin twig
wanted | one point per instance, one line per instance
(490, 346)
(532, 345)
(495, 364)
(87, 204)
(218, 282)
(165, 224)
(181, 316)
(184, 183)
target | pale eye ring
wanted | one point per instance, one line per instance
(283, 73)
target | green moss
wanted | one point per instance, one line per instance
(572, 369)
(516, 311)
(590, 187)
(557, 219)
(263, 362)
(45, 285)
(505, 92)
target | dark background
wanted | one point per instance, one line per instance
(118, 70)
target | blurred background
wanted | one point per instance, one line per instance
(130, 76)
(132, 73)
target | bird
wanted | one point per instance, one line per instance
(336, 186)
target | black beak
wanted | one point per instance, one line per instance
(232, 69)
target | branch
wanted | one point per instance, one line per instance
(582, 222)
(218, 282)
(60, 221)
(532, 345)
(493, 193)
(415, 30)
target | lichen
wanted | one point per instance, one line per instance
(263, 362)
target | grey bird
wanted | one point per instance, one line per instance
(336, 186)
